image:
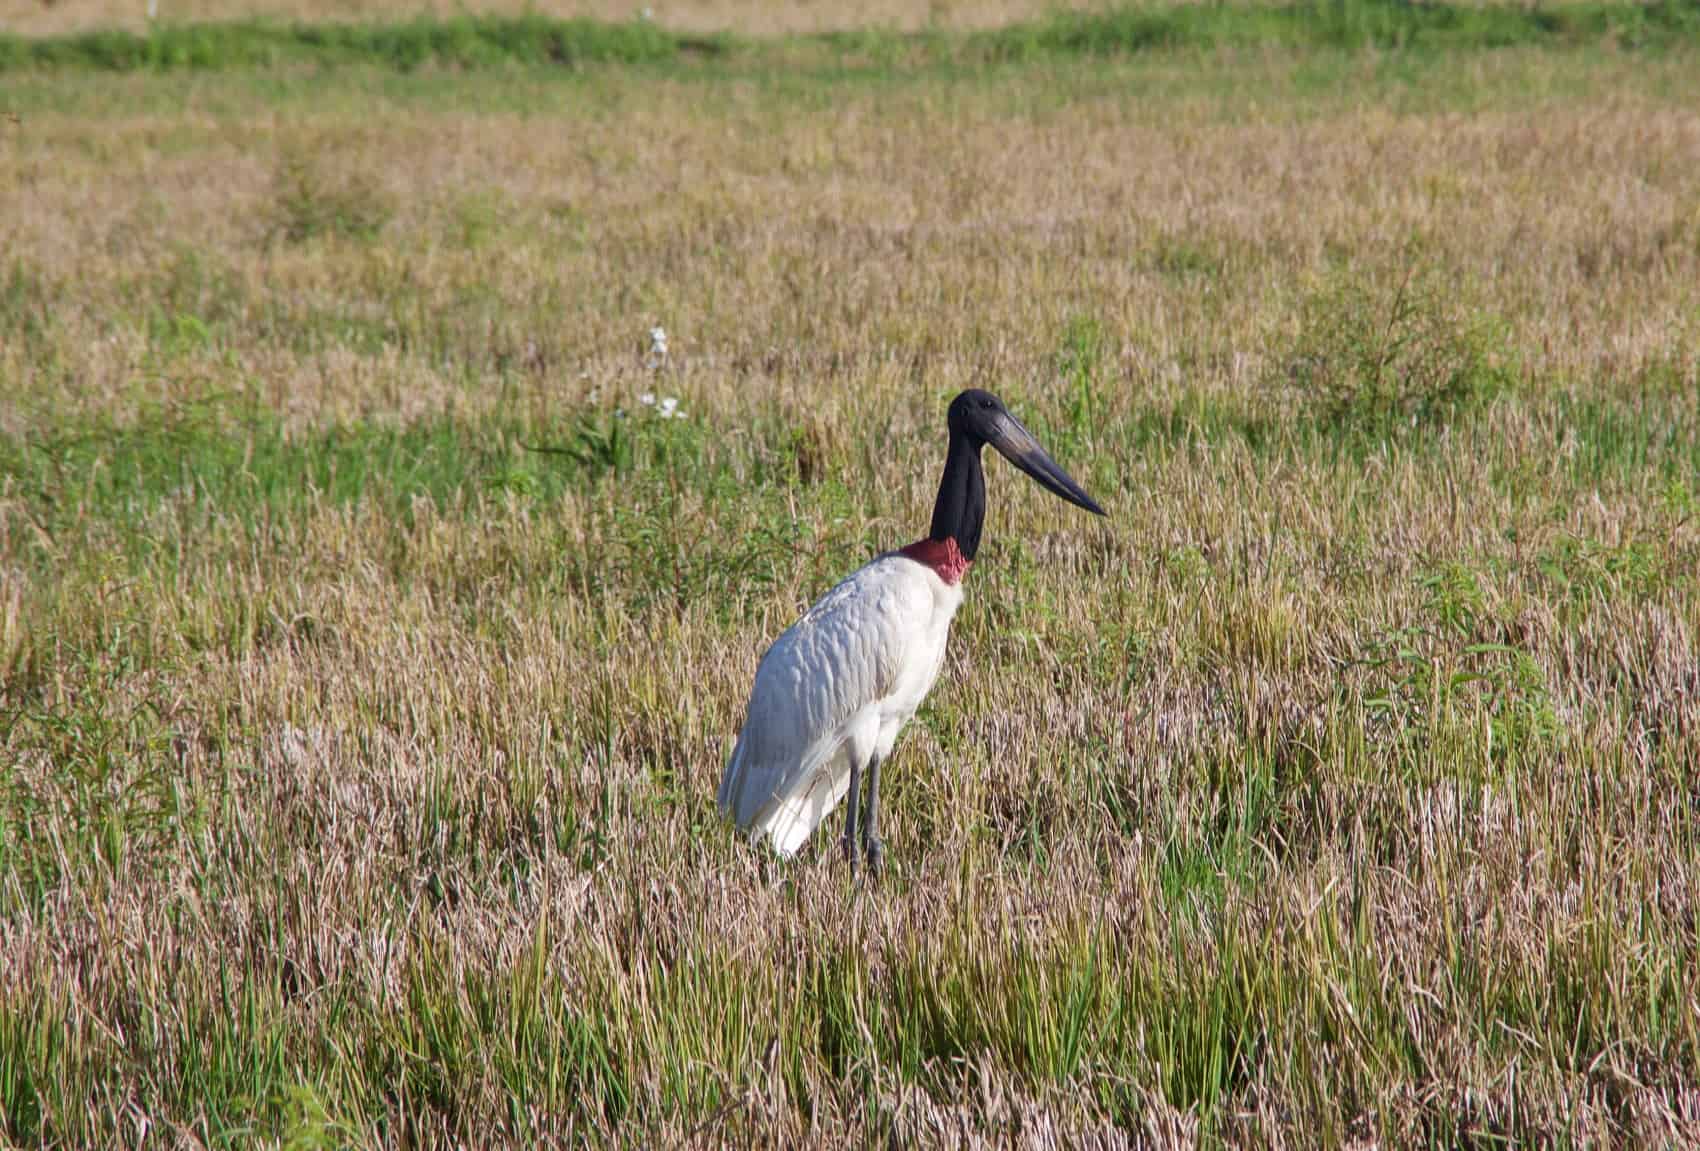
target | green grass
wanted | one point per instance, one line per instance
(532, 40)
(224, 457)
(466, 42)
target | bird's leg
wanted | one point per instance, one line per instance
(871, 842)
(850, 819)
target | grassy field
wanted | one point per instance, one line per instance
(370, 650)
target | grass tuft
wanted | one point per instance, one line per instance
(1378, 357)
(307, 205)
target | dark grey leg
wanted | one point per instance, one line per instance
(871, 842)
(850, 819)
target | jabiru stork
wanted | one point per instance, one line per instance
(832, 693)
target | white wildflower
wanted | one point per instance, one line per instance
(647, 399)
(668, 403)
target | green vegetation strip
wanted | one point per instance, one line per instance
(532, 40)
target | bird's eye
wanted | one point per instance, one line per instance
(986, 404)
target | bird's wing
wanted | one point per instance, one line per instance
(818, 681)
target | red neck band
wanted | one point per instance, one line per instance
(943, 556)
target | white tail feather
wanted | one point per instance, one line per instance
(795, 817)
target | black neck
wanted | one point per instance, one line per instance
(960, 510)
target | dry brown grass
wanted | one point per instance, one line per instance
(751, 17)
(1339, 789)
(846, 235)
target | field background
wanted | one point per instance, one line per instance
(750, 17)
(369, 648)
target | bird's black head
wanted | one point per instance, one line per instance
(981, 418)
(975, 413)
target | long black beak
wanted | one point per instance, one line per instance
(1017, 445)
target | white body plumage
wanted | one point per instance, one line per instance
(834, 690)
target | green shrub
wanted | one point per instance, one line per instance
(1373, 357)
(308, 201)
